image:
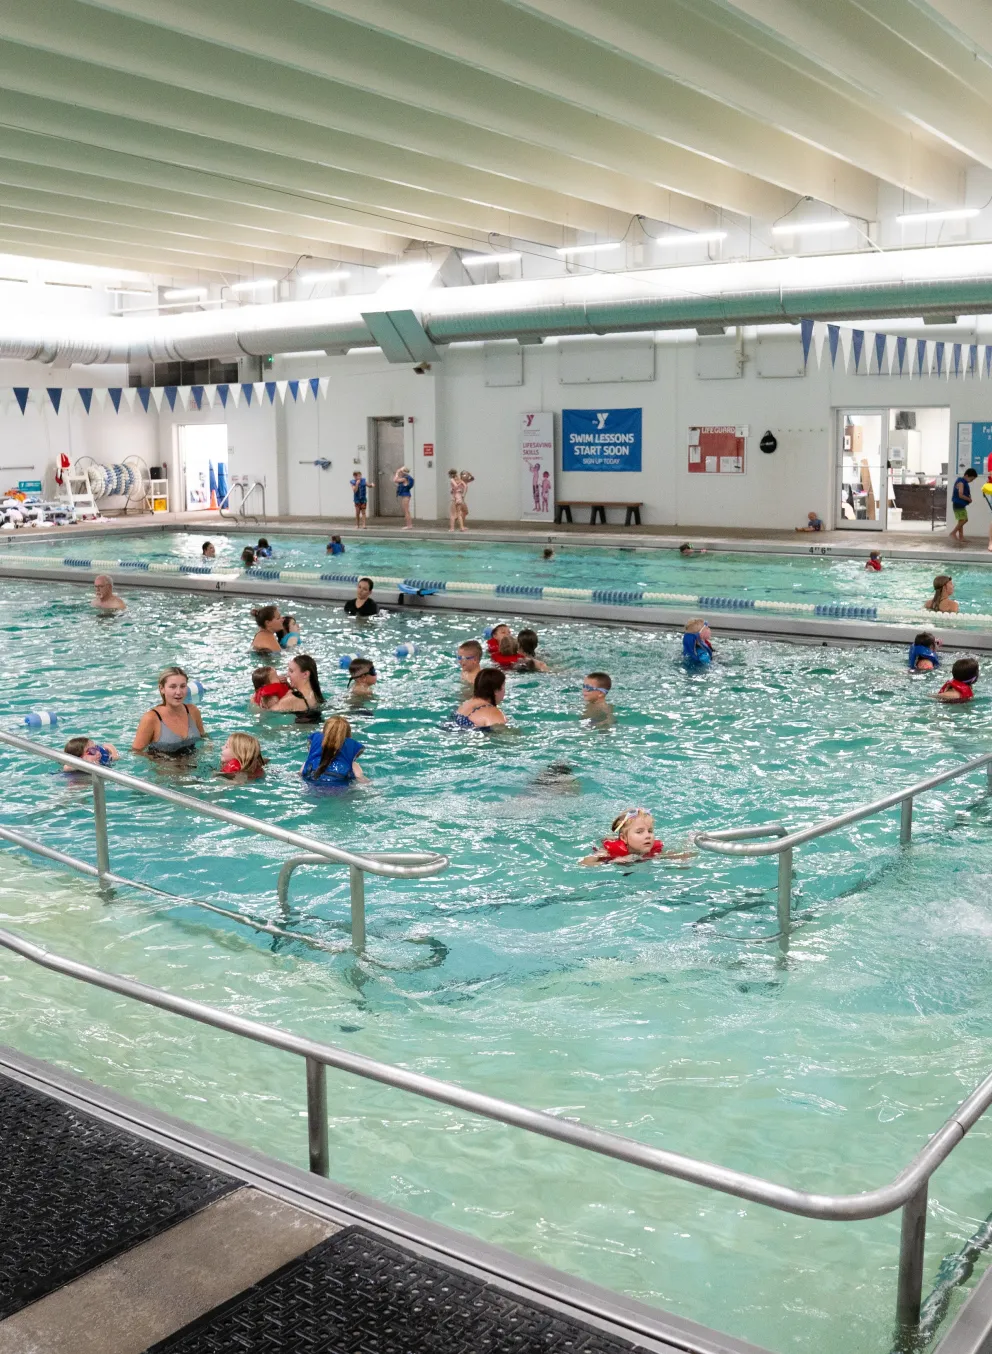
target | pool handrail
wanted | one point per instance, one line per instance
(908, 1190)
(241, 513)
(395, 865)
(740, 841)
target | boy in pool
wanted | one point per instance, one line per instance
(469, 658)
(362, 678)
(874, 562)
(334, 546)
(686, 550)
(595, 690)
(923, 656)
(87, 750)
(813, 523)
(634, 841)
(269, 688)
(964, 675)
(697, 642)
(497, 633)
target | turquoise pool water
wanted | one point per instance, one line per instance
(799, 579)
(646, 1002)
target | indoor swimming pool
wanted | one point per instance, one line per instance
(785, 580)
(648, 1000)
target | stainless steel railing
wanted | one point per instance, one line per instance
(393, 864)
(241, 512)
(732, 841)
(907, 1191)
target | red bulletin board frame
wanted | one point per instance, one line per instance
(713, 448)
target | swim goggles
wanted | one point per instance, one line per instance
(371, 672)
(601, 689)
(629, 817)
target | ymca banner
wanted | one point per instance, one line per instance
(607, 439)
(537, 467)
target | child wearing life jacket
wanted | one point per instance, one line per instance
(241, 755)
(333, 756)
(335, 546)
(697, 643)
(497, 633)
(633, 840)
(269, 688)
(874, 562)
(87, 750)
(508, 654)
(964, 674)
(923, 656)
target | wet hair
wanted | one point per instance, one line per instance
(170, 672)
(965, 670)
(104, 578)
(527, 641)
(262, 544)
(261, 677)
(248, 750)
(487, 683)
(601, 679)
(367, 580)
(360, 667)
(694, 625)
(623, 820)
(264, 614)
(284, 628)
(925, 640)
(335, 540)
(508, 646)
(336, 730)
(548, 553)
(248, 556)
(685, 549)
(939, 584)
(971, 473)
(875, 554)
(306, 664)
(526, 665)
(207, 545)
(500, 625)
(75, 747)
(472, 647)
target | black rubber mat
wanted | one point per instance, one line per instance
(358, 1294)
(74, 1192)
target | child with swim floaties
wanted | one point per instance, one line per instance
(697, 642)
(269, 688)
(633, 840)
(333, 756)
(923, 655)
(241, 755)
(964, 675)
(88, 750)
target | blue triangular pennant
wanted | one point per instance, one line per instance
(956, 365)
(938, 349)
(988, 358)
(270, 390)
(901, 353)
(857, 345)
(55, 395)
(115, 393)
(973, 360)
(197, 393)
(921, 356)
(223, 391)
(880, 350)
(170, 394)
(315, 385)
(806, 326)
(144, 395)
(247, 390)
(86, 395)
(294, 389)
(21, 394)
(833, 338)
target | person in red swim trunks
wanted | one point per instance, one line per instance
(634, 840)
(964, 674)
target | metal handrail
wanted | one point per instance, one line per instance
(394, 865)
(730, 841)
(246, 492)
(908, 1190)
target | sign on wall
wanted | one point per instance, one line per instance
(717, 450)
(974, 446)
(601, 439)
(537, 467)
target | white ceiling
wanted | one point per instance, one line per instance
(214, 139)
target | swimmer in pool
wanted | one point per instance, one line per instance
(687, 551)
(248, 557)
(943, 593)
(88, 750)
(923, 656)
(481, 710)
(269, 688)
(633, 841)
(548, 553)
(305, 698)
(497, 633)
(469, 659)
(241, 755)
(362, 678)
(335, 546)
(964, 675)
(333, 756)
(104, 597)
(289, 633)
(595, 689)
(269, 620)
(209, 550)
(172, 728)
(527, 642)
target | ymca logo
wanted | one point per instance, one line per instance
(601, 421)
(528, 420)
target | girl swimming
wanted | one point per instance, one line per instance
(88, 750)
(172, 728)
(633, 840)
(481, 710)
(333, 755)
(241, 755)
(289, 633)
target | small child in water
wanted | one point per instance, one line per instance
(874, 561)
(813, 523)
(335, 546)
(923, 656)
(964, 674)
(527, 642)
(269, 688)
(508, 653)
(289, 635)
(362, 678)
(469, 657)
(685, 550)
(595, 689)
(87, 750)
(241, 755)
(697, 642)
(497, 633)
(633, 840)
(333, 755)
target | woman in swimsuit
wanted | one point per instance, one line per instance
(481, 710)
(457, 486)
(172, 728)
(305, 697)
(269, 620)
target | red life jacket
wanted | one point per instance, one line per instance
(277, 689)
(875, 564)
(963, 689)
(231, 768)
(616, 849)
(505, 660)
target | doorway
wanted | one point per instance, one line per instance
(861, 468)
(892, 469)
(387, 448)
(202, 449)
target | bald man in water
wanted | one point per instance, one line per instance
(105, 599)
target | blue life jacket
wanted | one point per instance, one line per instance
(263, 551)
(340, 771)
(337, 548)
(917, 651)
(284, 636)
(696, 650)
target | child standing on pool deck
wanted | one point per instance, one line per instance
(634, 840)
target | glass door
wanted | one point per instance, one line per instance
(862, 470)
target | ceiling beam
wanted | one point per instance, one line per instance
(969, 20)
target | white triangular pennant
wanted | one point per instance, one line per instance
(99, 398)
(258, 394)
(182, 398)
(325, 382)
(209, 395)
(281, 388)
(130, 395)
(158, 395)
(234, 394)
(844, 355)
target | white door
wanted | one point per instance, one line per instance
(388, 450)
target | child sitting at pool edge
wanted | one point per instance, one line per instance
(813, 523)
(633, 840)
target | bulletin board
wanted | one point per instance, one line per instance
(717, 450)
(975, 447)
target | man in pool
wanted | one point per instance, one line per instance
(362, 604)
(104, 597)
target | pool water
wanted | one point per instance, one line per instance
(903, 583)
(647, 1001)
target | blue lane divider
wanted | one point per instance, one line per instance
(133, 564)
(843, 611)
(726, 603)
(612, 595)
(199, 569)
(425, 585)
(518, 590)
(78, 563)
(338, 578)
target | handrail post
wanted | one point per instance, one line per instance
(100, 826)
(906, 821)
(784, 898)
(357, 910)
(909, 1294)
(317, 1117)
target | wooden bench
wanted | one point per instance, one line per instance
(564, 506)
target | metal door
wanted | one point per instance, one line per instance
(862, 469)
(388, 446)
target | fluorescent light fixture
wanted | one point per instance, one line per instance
(570, 251)
(812, 227)
(678, 237)
(307, 352)
(258, 285)
(480, 260)
(391, 269)
(129, 291)
(184, 294)
(951, 214)
(362, 352)
(337, 275)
